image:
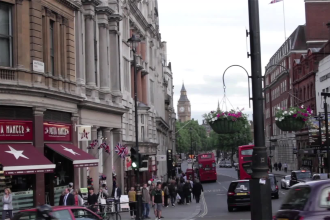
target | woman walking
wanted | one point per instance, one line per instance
(166, 195)
(132, 201)
(7, 200)
(78, 200)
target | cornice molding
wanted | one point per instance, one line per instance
(91, 2)
(70, 4)
(115, 17)
(104, 10)
(102, 107)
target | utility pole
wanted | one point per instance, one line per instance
(261, 206)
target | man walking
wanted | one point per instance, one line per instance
(173, 192)
(197, 190)
(158, 200)
(116, 194)
(68, 199)
(145, 201)
(279, 166)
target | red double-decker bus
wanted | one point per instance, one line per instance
(245, 161)
(207, 170)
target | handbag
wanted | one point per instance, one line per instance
(102, 201)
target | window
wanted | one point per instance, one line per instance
(6, 37)
(82, 214)
(62, 214)
(126, 74)
(142, 133)
(142, 119)
(51, 47)
(151, 92)
(296, 199)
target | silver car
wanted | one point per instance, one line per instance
(285, 182)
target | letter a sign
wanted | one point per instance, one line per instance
(84, 133)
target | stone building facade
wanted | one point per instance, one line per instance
(66, 64)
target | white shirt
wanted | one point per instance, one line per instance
(116, 197)
(5, 206)
(65, 198)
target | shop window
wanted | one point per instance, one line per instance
(57, 116)
(16, 113)
(6, 35)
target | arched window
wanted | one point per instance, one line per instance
(300, 95)
(307, 92)
(304, 98)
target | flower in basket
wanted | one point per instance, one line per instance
(293, 112)
(232, 115)
(293, 118)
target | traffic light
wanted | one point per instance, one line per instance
(135, 157)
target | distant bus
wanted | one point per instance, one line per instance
(245, 162)
(207, 170)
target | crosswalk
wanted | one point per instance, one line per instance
(212, 191)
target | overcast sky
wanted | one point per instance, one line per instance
(205, 37)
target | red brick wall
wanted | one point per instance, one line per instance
(317, 16)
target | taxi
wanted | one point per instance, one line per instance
(306, 201)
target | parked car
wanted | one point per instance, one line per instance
(307, 201)
(238, 194)
(228, 164)
(300, 176)
(60, 213)
(285, 182)
(273, 186)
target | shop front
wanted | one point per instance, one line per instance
(21, 162)
(59, 148)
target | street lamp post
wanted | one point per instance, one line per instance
(134, 41)
(261, 206)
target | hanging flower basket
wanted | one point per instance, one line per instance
(224, 122)
(293, 118)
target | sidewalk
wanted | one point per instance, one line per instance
(179, 212)
(280, 173)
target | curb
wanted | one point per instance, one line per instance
(195, 214)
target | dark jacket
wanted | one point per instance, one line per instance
(172, 190)
(61, 200)
(69, 200)
(118, 192)
(186, 188)
(197, 188)
(92, 199)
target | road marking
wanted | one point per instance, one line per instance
(225, 188)
(204, 205)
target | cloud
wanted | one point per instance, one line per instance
(205, 37)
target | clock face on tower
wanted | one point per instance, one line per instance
(181, 109)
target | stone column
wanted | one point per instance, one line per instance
(38, 140)
(118, 162)
(74, 139)
(90, 50)
(83, 171)
(107, 159)
(94, 171)
(115, 56)
(104, 71)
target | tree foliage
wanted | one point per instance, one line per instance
(203, 142)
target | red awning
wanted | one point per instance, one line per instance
(18, 159)
(78, 157)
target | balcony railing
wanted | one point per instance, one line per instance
(7, 74)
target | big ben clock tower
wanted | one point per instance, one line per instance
(184, 108)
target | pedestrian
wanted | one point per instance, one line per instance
(132, 202)
(191, 187)
(116, 194)
(285, 166)
(92, 200)
(145, 201)
(187, 191)
(275, 166)
(197, 190)
(68, 199)
(279, 166)
(7, 207)
(102, 199)
(78, 200)
(166, 194)
(158, 201)
(181, 193)
(61, 198)
(173, 191)
(151, 189)
(71, 188)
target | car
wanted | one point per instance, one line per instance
(61, 213)
(306, 201)
(273, 186)
(228, 164)
(299, 176)
(238, 194)
(285, 182)
(222, 164)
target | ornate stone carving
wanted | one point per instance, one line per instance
(91, 2)
(59, 18)
(89, 16)
(19, 2)
(65, 21)
(50, 14)
(104, 10)
(103, 25)
(115, 17)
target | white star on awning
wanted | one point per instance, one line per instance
(17, 153)
(70, 150)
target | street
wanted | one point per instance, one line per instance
(214, 200)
